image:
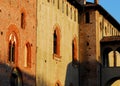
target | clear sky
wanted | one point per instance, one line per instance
(111, 6)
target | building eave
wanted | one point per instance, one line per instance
(103, 12)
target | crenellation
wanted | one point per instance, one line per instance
(107, 28)
(65, 8)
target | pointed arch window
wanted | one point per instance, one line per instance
(12, 48)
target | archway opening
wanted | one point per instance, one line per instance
(106, 54)
(116, 83)
(111, 58)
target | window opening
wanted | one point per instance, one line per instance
(87, 17)
(12, 51)
(74, 51)
(22, 20)
(55, 42)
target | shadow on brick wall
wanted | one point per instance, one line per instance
(90, 73)
(8, 73)
(72, 74)
(86, 73)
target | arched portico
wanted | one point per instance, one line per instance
(110, 57)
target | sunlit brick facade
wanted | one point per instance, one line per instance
(17, 30)
(57, 43)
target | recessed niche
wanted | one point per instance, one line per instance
(1, 33)
(87, 43)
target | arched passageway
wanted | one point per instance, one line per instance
(110, 62)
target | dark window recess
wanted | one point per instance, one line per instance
(22, 20)
(87, 16)
(48, 0)
(58, 4)
(87, 43)
(55, 43)
(12, 52)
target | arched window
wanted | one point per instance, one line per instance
(56, 43)
(28, 55)
(12, 48)
(58, 83)
(74, 50)
(114, 59)
(16, 78)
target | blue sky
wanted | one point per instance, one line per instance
(111, 6)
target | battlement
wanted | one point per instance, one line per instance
(65, 8)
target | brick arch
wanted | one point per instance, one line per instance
(112, 80)
(58, 83)
(13, 30)
(57, 34)
(58, 29)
